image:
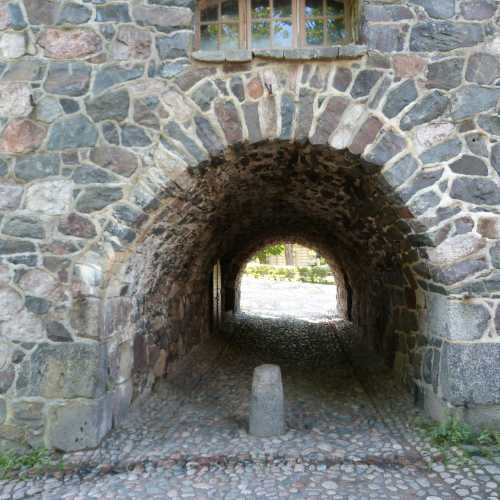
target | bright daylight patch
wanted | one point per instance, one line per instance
(288, 280)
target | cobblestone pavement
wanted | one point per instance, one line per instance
(277, 299)
(349, 432)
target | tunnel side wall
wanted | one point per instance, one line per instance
(103, 116)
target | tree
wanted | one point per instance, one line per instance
(276, 249)
(289, 260)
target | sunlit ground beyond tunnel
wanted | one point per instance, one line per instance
(293, 299)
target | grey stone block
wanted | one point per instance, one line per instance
(469, 373)
(70, 79)
(238, 55)
(442, 152)
(444, 36)
(24, 227)
(455, 319)
(74, 13)
(445, 74)
(267, 405)
(68, 370)
(109, 106)
(209, 55)
(117, 12)
(174, 46)
(399, 98)
(472, 99)
(443, 9)
(114, 74)
(427, 109)
(74, 132)
(97, 198)
(79, 424)
(31, 167)
(476, 190)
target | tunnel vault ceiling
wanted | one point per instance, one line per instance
(272, 189)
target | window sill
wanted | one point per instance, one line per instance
(351, 51)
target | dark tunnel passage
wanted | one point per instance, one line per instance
(222, 211)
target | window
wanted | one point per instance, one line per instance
(273, 24)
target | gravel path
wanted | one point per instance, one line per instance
(349, 432)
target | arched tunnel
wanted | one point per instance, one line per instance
(224, 210)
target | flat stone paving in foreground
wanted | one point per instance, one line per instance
(350, 432)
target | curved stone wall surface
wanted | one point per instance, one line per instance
(127, 170)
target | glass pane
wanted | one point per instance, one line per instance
(282, 8)
(210, 14)
(209, 37)
(230, 36)
(334, 8)
(282, 34)
(261, 35)
(335, 31)
(314, 32)
(314, 7)
(260, 8)
(229, 10)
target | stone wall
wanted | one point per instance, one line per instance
(127, 170)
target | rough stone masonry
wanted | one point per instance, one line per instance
(128, 169)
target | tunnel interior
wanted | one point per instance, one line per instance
(217, 214)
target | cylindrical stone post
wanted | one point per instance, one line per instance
(267, 404)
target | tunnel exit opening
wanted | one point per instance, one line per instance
(288, 280)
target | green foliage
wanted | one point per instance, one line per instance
(311, 274)
(277, 249)
(12, 462)
(453, 433)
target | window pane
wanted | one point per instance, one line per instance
(229, 10)
(282, 34)
(260, 8)
(282, 8)
(314, 32)
(209, 37)
(209, 14)
(261, 35)
(334, 8)
(335, 31)
(230, 36)
(314, 7)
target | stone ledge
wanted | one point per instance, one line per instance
(351, 51)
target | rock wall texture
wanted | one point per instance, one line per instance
(127, 169)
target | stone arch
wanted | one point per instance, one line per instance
(271, 109)
(207, 129)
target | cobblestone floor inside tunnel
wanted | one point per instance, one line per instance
(350, 434)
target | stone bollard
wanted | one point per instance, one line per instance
(267, 405)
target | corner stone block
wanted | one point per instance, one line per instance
(76, 370)
(456, 319)
(469, 373)
(79, 424)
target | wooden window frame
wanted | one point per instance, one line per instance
(241, 22)
(293, 18)
(298, 24)
(302, 24)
